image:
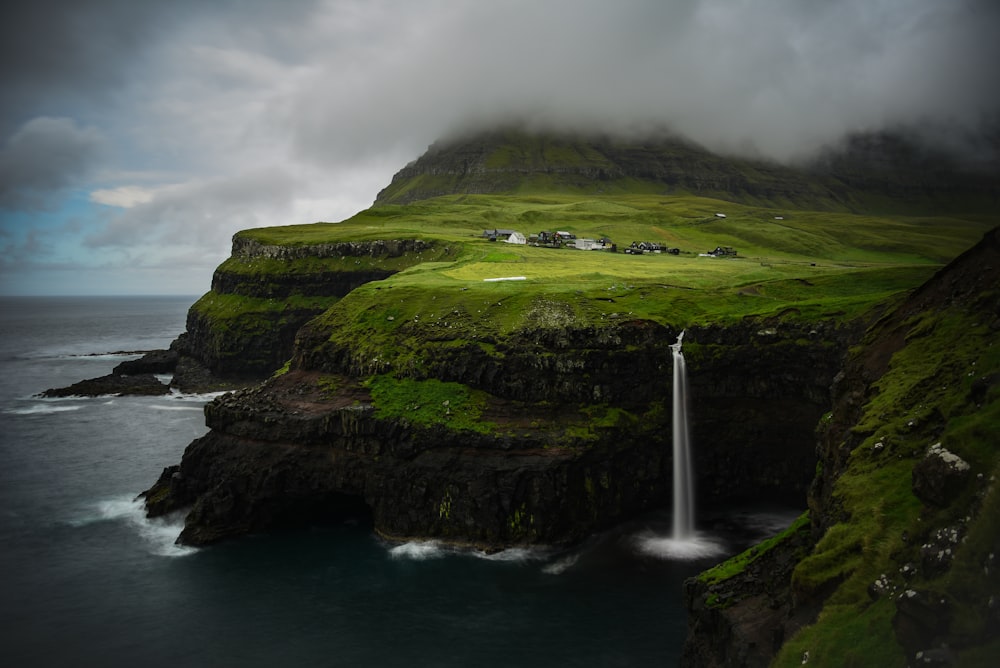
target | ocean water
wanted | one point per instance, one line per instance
(85, 579)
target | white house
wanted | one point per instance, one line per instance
(516, 238)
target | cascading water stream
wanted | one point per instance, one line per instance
(683, 527)
(684, 542)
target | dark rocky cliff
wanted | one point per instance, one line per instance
(904, 517)
(288, 451)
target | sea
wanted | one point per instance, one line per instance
(87, 580)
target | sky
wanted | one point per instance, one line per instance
(137, 137)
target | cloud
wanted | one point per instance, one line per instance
(124, 197)
(44, 156)
(180, 123)
(782, 75)
(198, 214)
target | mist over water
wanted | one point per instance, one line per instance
(88, 580)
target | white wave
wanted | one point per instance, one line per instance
(432, 549)
(560, 566)
(159, 534)
(68, 355)
(203, 397)
(515, 554)
(43, 409)
(418, 550)
(176, 408)
(698, 546)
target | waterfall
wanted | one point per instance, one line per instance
(683, 527)
(684, 542)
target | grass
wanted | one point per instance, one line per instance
(429, 402)
(686, 221)
(925, 397)
(738, 563)
(806, 266)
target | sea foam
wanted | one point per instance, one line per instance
(159, 534)
(417, 550)
(696, 546)
(43, 409)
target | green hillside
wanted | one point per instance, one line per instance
(823, 264)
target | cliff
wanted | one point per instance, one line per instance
(502, 454)
(244, 328)
(894, 564)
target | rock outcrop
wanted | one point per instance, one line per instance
(142, 384)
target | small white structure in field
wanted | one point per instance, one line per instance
(720, 215)
(516, 238)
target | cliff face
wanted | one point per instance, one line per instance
(904, 517)
(245, 327)
(548, 471)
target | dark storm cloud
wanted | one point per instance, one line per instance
(47, 154)
(56, 54)
(61, 57)
(187, 120)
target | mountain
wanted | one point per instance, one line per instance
(883, 171)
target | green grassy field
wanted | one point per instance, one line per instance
(800, 263)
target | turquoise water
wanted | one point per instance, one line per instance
(87, 580)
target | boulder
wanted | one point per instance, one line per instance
(939, 476)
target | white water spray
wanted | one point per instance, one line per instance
(683, 528)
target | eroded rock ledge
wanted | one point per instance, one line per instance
(284, 454)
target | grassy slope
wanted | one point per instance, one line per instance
(820, 263)
(808, 265)
(925, 398)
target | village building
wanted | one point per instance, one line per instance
(497, 234)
